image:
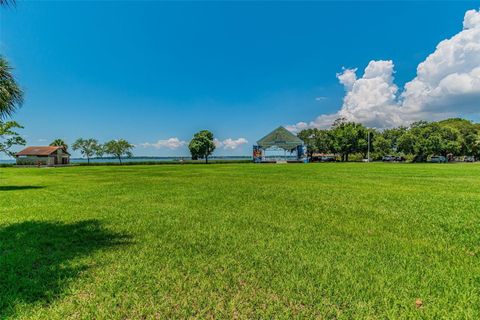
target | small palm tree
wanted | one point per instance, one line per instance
(11, 96)
(7, 2)
(59, 143)
(87, 147)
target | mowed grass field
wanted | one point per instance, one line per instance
(241, 241)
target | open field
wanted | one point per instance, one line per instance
(241, 241)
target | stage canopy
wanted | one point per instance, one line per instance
(280, 138)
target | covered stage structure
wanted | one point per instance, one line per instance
(270, 147)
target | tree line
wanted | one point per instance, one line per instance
(89, 148)
(201, 146)
(420, 140)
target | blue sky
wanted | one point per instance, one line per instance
(149, 71)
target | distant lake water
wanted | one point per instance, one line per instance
(142, 159)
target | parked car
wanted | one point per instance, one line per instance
(388, 158)
(469, 159)
(400, 159)
(328, 159)
(438, 159)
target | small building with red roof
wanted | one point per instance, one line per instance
(46, 156)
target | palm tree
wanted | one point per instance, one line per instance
(119, 148)
(7, 2)
(59, 143)
(87, 147)
(11, 96)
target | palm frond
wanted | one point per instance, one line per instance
(7, 2)
(11, 96)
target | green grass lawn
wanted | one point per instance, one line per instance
(343, 241)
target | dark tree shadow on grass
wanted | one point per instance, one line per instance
(14, 188)
(35, 256)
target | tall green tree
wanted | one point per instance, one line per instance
(59, 143)
(324, 141)
(308, 136)
(11, 96)
(202, 145)
(382, 146)
(406, 143)
(87, 147)
(348, 138)
(469, 145)
(316, 140)
(469, 133)
(99, 150)
(392, 135)
(424, 139)
(9, 137)
(476, 148)
(452, 141)
(416, 141)
(119, 148)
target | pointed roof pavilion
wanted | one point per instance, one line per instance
(281, 138)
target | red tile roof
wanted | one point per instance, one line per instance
(38, 151)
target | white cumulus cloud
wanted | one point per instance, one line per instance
(233, 144)
(171, 143)
(230, 144)
(347, 77)
(447, 84)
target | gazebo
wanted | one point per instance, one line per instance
(278, 139)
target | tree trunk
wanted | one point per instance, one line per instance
(206, 159)
(88, 160)
(346, 157)
(120, 159)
